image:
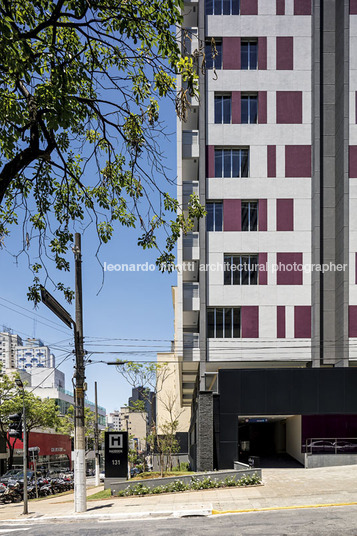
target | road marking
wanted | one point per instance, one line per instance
(267, 509)
(6, 531)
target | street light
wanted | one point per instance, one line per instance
(24, 443)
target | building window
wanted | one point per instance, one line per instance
(231, 162)
(222, 108)
(249, 109)
(222, 7)
(213, 54)
(249, 55)
(223, 323)
(241, 269)
(214, 216)
(249, 215)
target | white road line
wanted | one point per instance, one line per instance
(6, 531)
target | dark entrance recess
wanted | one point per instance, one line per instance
(275, 392)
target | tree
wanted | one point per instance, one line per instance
(66, 425)
(80, 125)
(150, 378)
(39, 413)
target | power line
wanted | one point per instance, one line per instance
(31, 312)
(27, 316)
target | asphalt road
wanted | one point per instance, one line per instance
(337, 521)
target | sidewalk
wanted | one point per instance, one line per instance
(282, 488)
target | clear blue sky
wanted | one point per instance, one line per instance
(131, 305)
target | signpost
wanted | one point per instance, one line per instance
(116, 454)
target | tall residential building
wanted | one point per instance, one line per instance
(8, 345)
(266, 308)
(34, 354)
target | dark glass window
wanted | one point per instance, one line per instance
(213, 54)
(249, 54)
(223, 323)
(231, 162)
(249, 215)
(249, 109)
(214, 216)
(222, 7)
(222, 108)
(241, 269)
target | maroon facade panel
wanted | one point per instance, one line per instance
(250, 322)
(280, 322)
(262, 215)
(280, 7)
(236, 107)
(262, 53)
(263, 268)
(262, 107)
(232, 215)
(284, 214)
(288, 272)
(352, 321)
(285, 53)
(231, 52)
(298, 161)
(353, 161)
(302, 7)
(302, 321)
(271, 160)
(353, 7)
(249, 7)
(210, 160)
(288, 107)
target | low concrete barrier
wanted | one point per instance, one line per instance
(116, 484)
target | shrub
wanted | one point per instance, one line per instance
(195, 484)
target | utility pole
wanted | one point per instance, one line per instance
(19, 384)
(96, 437)
(80, 498)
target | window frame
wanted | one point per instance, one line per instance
(219, 7)
(249, 42)
(236, 276)
(215, 63)
(225, 157)
(214, 205)
(222, 96)
(233, 312)
(249, 202)
(249, 97)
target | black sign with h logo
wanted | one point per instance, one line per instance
(116, 454)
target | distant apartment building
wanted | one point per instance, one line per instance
(113, 420)
(34, 354)
(8, 349)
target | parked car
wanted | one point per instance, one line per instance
(321, 446)
(9, 475)
(102, 476)
(345, 446)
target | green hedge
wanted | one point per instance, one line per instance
(195, 484)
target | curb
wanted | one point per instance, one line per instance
(272, 508)
(202, 512)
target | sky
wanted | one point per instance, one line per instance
(134, 308)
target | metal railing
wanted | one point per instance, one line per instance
(330, 445)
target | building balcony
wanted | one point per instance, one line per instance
(190, 14)
(190, 169)
(188, 188)
(191, 249)
(190, 145)
(191, 299)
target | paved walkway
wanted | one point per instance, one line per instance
(282, 488)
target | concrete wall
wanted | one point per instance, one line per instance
(329, 460)
(293, 438)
